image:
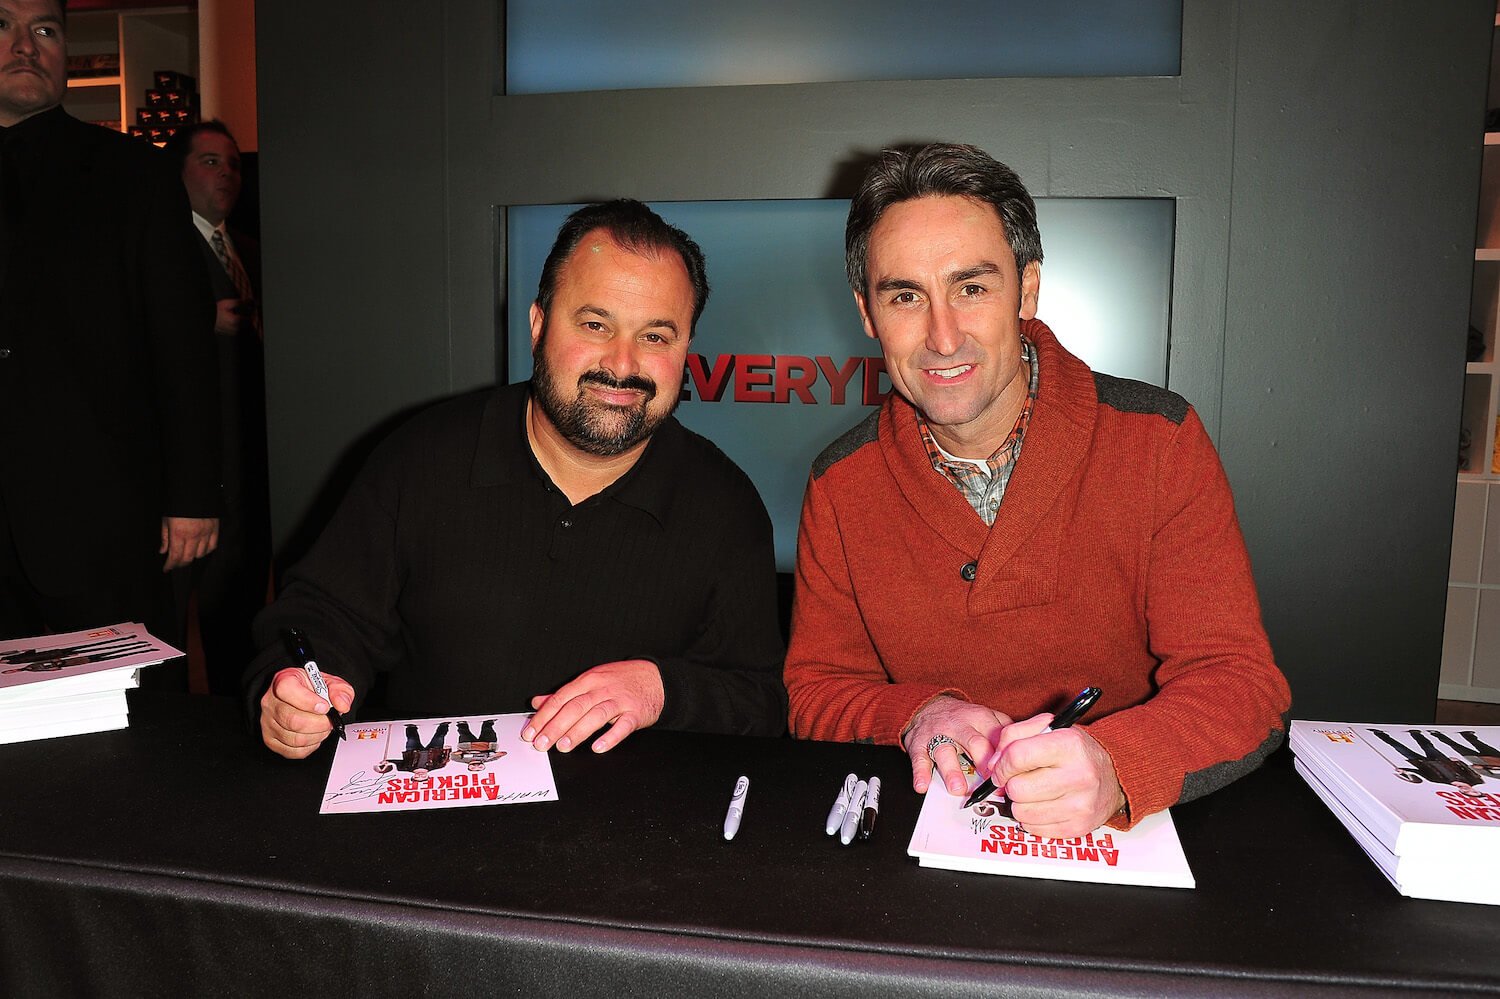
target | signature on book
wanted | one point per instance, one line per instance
(359, 787)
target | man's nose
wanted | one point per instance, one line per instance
(621, 357)
(943, 334)
(23, 43)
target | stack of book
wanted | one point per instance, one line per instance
(1423, 802)
(69, 684)
(984, 839)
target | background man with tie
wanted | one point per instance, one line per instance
(231, 583)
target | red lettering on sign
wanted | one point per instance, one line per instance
(753, 371)
(838, 377)
(801, 382)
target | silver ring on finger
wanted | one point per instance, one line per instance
(939, 740)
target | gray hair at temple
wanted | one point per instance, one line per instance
(939, 170)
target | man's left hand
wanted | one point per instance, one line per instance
(184, 539)
(623, 695)
(1059, 784)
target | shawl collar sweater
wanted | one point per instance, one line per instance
(1116, 560)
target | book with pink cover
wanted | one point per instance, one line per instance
(397, 766)
(35, 667)
(984, 840)
(1428, 789)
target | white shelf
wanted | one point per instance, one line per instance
(145, 40)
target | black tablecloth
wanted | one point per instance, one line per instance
(180, 857)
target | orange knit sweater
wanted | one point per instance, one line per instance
(1116, 561)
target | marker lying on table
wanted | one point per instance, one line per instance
(851, 817)
(302, 653)
(841, 805)
(1066, 717)
(736, 807)
(872, 809)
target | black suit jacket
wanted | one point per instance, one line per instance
(108, 388)
(242, 405)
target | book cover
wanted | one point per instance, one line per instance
(25, 662)
(1429, 788)
(1414, 875)
(984, 840)
(399, 766)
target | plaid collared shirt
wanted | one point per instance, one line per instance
(985, 491)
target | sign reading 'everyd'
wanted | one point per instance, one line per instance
(780, 378)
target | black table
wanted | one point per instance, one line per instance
(180, 858)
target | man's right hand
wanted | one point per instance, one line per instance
(293, 718)
(973, 727)
(230, 317)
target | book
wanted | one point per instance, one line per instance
(46, 659)
(1412, 875)
(73, 683)
(985, 840)
(1423, 802)
(396, 766)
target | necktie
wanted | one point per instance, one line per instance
(237, 275)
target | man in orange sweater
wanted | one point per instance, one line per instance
(952, 590)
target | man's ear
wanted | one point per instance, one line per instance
(1031, 286)
(864, 316)
(538, 321)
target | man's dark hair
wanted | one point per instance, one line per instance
(181, 142)
(938, 170)
(637, 229)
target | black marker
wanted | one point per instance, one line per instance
(1066, 717)
(872, 809)
(302, 653)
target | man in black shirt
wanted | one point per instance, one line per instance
(564, 544)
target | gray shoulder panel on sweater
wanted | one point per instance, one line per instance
(866, 431)
(1130, 396)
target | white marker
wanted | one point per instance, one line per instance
(840, 806)
(851, 817)
(736, 807)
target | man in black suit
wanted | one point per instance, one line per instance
(109, 470)
(231, 583)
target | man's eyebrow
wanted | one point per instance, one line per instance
(897, 284)
(978, 270)
(603, 313)
(981, 269)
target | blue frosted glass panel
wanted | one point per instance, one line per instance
(606, 45)
(781, 338)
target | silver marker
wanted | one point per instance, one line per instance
(851, 817)
(736, 807)
(841, 805)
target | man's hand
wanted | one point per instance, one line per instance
(1059, 784)
(186, 538)
(230, 317)
(624, 695)
(293, 718)
(975, 728)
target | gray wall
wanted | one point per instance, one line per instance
(1325, 162)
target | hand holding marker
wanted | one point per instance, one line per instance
(1066, 717)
